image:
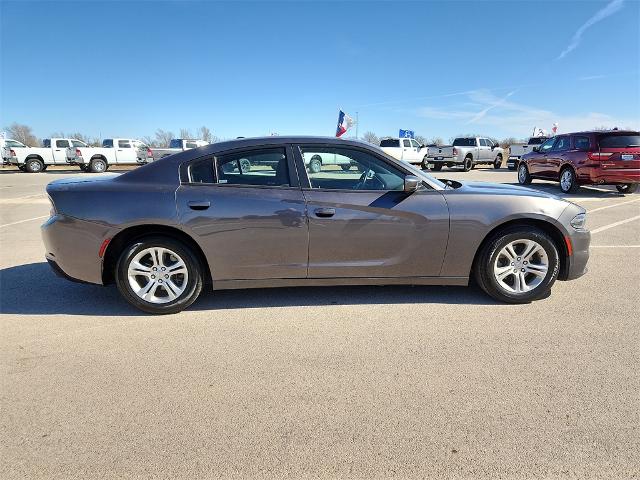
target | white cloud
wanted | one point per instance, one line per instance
(607, 11)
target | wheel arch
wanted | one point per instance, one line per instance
(100, 157)
(549, 228)
(120, 241)
(32, 156)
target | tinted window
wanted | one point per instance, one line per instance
(390, 143)
(536, 140)
(62, 143)
(191, 145)
(546, 146)
(175, 143)
(263, 167)
(46, 143)
(201, 171)
(562, 143)
(619, 141)
(483, 142)
(108, 143)
(346, 169)
(581, 143)
(464, 142)
(124, 144)
(406, 143)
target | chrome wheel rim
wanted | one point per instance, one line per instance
(157, 275)
(565, 180)
(522, 173)
(521, 266)
(99, 166)
(35, 166)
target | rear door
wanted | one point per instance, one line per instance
(250, 222)
(619, 152)
(59, 150)
(363, 224)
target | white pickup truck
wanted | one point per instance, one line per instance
(405, 149)
(114, 151)
(517, 150)
(9, 144)
(177, 145)
(37, 159)
(466, 152)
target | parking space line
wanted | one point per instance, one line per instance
(24, 221)
(615, 224)
(611, 206)
(615, 246)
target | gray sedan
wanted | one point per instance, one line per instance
(251, 213)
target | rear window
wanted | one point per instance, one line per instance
(619, 141)
(46, 143)
(390, 143)
(464, 142)
(537, 140)
(108, 143)
(175, 143)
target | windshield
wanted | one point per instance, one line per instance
(464, 142)
(175, 143)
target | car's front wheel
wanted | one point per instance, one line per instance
(159, 275)
(627, 188)
(524, 178)
(518, 265)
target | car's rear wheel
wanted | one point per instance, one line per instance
(627, 188)
(33, 165)
(245, 165)
(346, 168)
(568, 183)
(517, 265)
(524, 178)
(97, 165)
(468, 164)
(436, 167)
(159, 275)
(497, 163)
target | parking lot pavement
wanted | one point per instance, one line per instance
(356, 382)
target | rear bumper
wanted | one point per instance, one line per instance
(72, 245)
(612, 176)
(512, 162)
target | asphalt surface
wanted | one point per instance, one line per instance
(346, 382)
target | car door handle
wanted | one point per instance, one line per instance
(198, 205)
(325, 212)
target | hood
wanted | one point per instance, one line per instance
(501, 189)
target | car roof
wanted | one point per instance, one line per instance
(605, 132)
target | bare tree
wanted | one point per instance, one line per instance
(420, 139)
(506, 142)
(23, 134)
(163, 138)
(149, 141)
(185, 133)
(436, 141)
(205, 134)
(371, 138)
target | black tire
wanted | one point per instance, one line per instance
(245, 165)
(97, 165)
(315, 165)
(345, 168)
(425, 163)
(524, 177)
(627, 188)
(568, 181)
(497, 163)
(437, 167)
(194, 280)
(21, 168)
(487, 258)
(468, 164)
(33, 165)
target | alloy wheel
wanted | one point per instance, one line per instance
(157, 275)
(521, 266)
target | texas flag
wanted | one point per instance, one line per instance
(345, 122)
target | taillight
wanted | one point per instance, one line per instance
(149, 153)
(599, 155)
(455, 151)
(78, 152)
(12, 153)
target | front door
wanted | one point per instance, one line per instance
(247, 213)
(556, 157)
(60, 151)
(363, 224)
(537, 161)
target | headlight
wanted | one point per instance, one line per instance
(579, 222)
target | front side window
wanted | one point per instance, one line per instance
(266, 167)
(62, 143)
(546, 146)
(581, 143)
(563, 143)
(415, 144)
(340, 168)
(483, 142)
(406, 143)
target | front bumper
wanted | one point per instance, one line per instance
(577, 261)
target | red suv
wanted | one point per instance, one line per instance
(586, 158)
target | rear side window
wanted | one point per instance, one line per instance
(108, 143)
(464, 142)
(619, 141)
(124, 144)
(390, 143)
(201, 171)
(581, 143)
(62, 143)
(266, 167)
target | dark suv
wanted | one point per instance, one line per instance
(586, 158)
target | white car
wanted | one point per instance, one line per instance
(114, 151)
(405, 149)
(37, 159)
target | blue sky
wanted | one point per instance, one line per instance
(251, 68)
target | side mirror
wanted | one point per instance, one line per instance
(411, 183)
(536, 149)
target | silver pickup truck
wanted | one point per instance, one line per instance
(466, 152)
(177, 145)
